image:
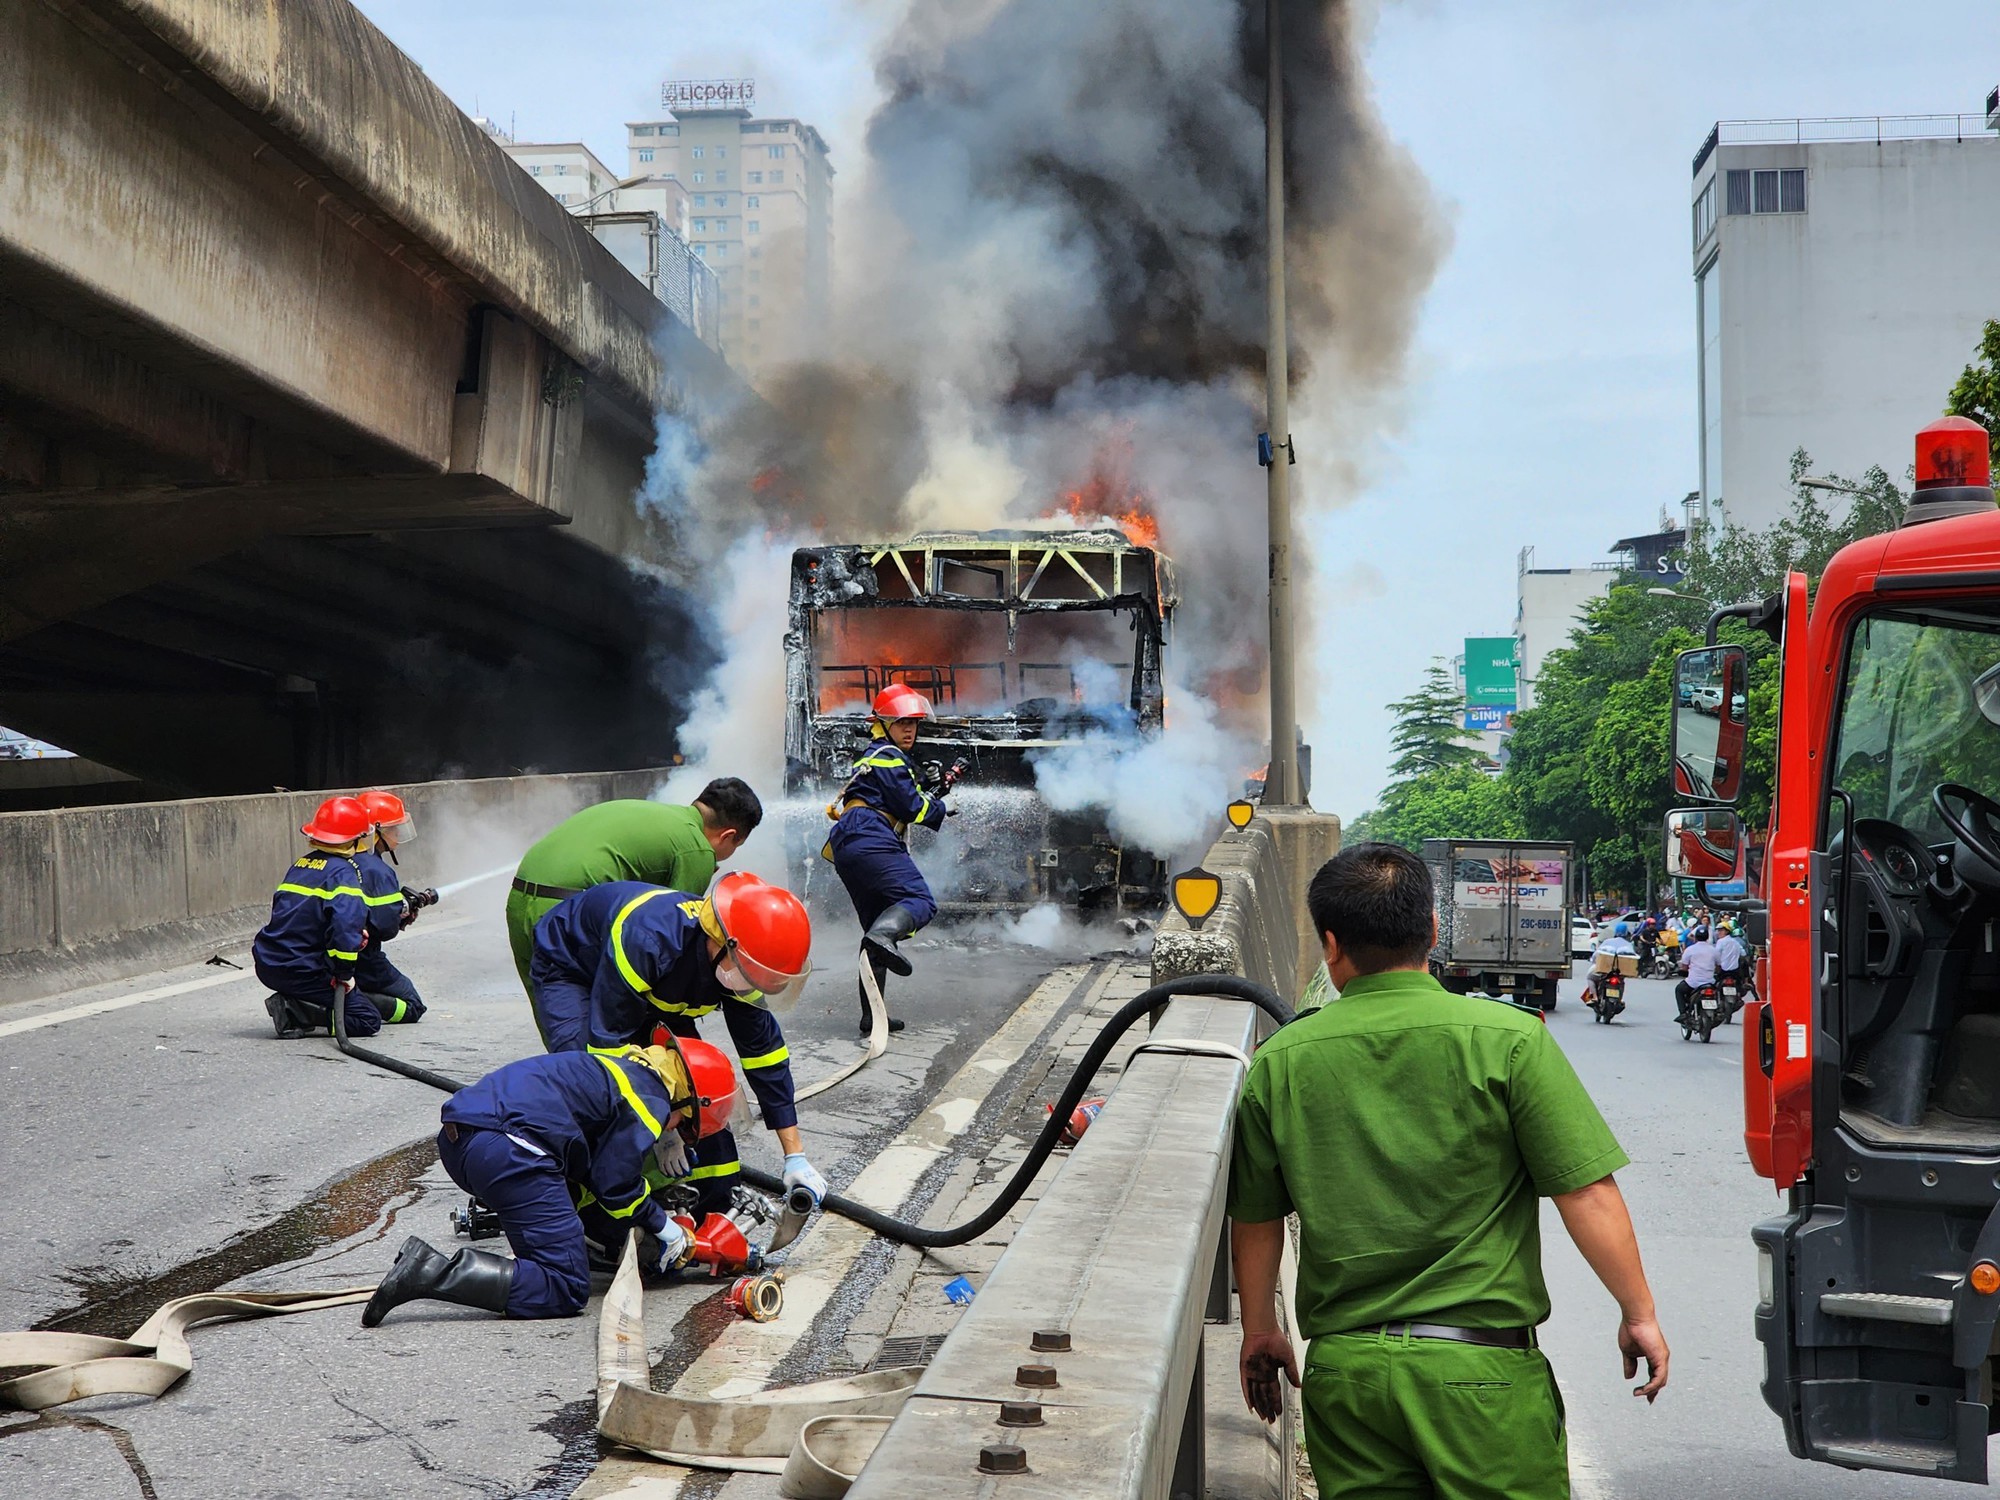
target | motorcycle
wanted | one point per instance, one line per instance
(1736, 987)
(1607, 998)
(1701, 1011)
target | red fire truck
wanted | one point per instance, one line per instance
(1871, 1067)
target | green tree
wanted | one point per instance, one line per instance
(1458, 802)
(1977, 392)
(1430, 730)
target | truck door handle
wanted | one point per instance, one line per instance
(1767, 1040)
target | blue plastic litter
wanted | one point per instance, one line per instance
(959, 1290)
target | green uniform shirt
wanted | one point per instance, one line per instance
(656, 842)
(1411, 1129)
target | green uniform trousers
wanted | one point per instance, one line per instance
(523, 912)
(1427, 1417)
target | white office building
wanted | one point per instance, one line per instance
(1843, 271)
(1548, 604)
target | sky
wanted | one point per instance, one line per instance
(1551, 402)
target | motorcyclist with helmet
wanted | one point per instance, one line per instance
(1617, 944)
(1697, 966)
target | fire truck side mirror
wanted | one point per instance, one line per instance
(1703, 843)
(1710, 723)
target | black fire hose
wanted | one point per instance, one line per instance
(1228, 986)
(382, 1059)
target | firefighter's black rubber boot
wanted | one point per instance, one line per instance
(885, 933)
(292, 1019)
(881, 984)
(471, 1278)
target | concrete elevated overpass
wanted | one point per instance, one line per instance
(320, 422)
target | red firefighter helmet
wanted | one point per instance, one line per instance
(901, 701)
(338, 820)
(714, 1084)
(386, 810)
(765, 929)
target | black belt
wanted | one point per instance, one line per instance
(544, 892)
(1494, 1338)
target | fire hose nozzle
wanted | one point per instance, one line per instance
(799, 1205)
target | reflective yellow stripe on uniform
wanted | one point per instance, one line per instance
(720, 1169)
(646, 1116)
(353, 958)
(393, 898)
(768, 1059)
(625, 969)
(325, 893)
(629, 1209)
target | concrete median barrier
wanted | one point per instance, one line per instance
(1259, 929)
(97, 893)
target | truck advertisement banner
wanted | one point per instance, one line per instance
(1537, 884)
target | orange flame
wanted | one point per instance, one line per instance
(1108, 495)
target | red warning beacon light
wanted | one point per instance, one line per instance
(1954, 451)
(1954, 471)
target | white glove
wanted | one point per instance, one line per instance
(669, 1251)
(671, 1152)
(799, 1173)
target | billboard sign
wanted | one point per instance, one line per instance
(708, 93)
(1488, 718)
(1657, 556)
(1489, 671)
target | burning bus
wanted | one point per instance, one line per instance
(1026, 641)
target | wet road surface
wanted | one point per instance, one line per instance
(174, 1145)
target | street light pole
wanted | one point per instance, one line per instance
(1281, 784)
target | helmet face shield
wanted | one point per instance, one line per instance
(774, 991)
(766, 938)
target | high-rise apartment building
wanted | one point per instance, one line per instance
(1843, 272)
(759, 196)
(570, 171)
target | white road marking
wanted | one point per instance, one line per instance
(742, 1358)
(120, 1002)
(168, 991)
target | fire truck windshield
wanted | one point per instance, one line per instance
(1913, 713)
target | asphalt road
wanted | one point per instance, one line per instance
(174, 1145)
(1677, 1109)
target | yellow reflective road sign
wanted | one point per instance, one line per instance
(1197, 893)
(1240, 814)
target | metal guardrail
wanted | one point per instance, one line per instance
(1094, 1315)
(1835, 129)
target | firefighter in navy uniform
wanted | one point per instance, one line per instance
(318, 928)
(390, 910)
(621, 959)
(518, 1140)
(869, 843)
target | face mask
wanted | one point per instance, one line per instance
(733, 980)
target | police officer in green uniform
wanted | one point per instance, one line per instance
(1412, 1132)
(655, 842)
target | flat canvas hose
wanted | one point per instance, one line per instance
(71, 1366)
(878, 1035)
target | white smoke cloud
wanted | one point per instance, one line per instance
(1165, 792)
